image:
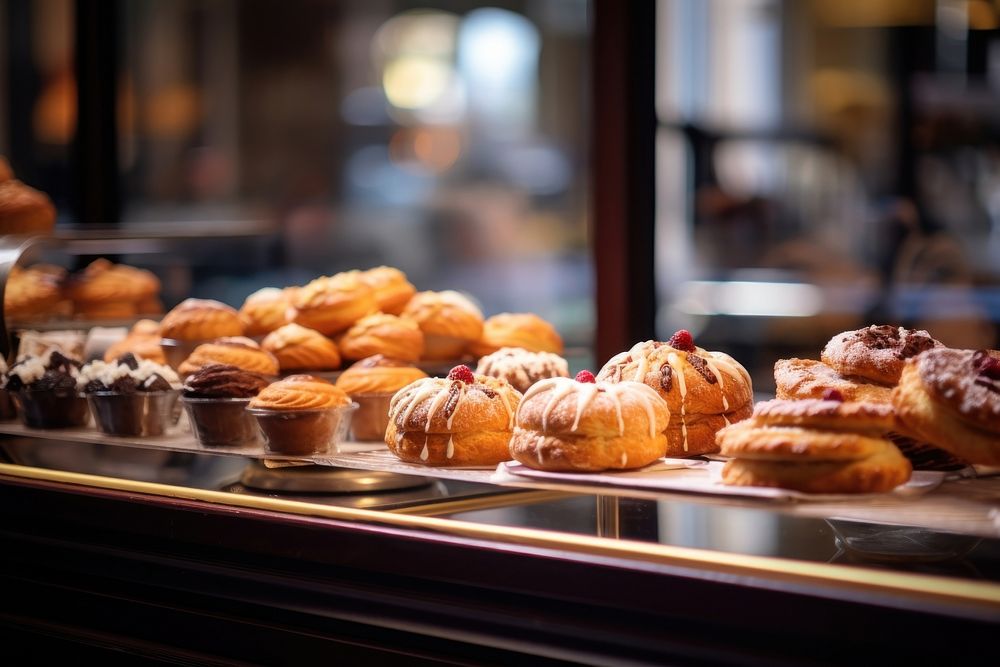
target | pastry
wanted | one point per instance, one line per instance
(381, 333)
(233, 351)
(706, 391)
(524, 330)
(302, 415)
(5, 171)
(143, 340)
(371, 384)
(522, 368)
(462, 420)
(814, 446)
(450, 323)
(265, 310)
(216, 397)
(331, 304)
(392, 289)
(44, 390)
(876, 353)
(33, 293)
(112, 291)
(951, 398)
(298, 348)
(25, 210)
(130, 397)
(583, 425)
(808, 378)
(201, 319)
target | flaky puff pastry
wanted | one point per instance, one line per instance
(32, 293)
(876, 353)
(25, 210)
(705, 390)
(143, 340)
(392, 290)
(297, 348)
(232, 351)
(331, 304)
(524, 330)
(450, 322)
(442, 422)
(378, 375)
(381, 333)
(201, 319)
(563, 424)
(300, 392)
(265, 310)
(808, 378)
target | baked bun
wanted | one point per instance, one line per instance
(391, 288)
(450, 322)
(381, 333)
(462, 420)
(201, 319)
(298, 348)
(705, 390)
(143, 340)
(25, 210)
(264, 311)
(300, 392)
(6, 173)
(232, 351)
(522, 368)
(523, 330)
(32, 293)
(564, 424)
(808, 378)
(378, 375)
(814, 446)
(331, 304)
(951, 398)
(876, 353)
(112, 291)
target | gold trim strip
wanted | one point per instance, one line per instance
(927, 587)
(485, 502)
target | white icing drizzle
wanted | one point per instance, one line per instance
(624, 459)
(587, 394)
(731, 366)
(675, 365)
(725, 419)
(506, 405)
(561, 389)
(435, 405)
(450, 452)
(641, 368)
(424, 453)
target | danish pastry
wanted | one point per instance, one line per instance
(583, 425)
(298, 348)
(808, 378)
(201, 319)
(331, 304)
(522, 368)
(381, 333)
(462, 420)
(392, 289)
(232, 351)
(377, 375)
(523, 330)
(264, 311)
(705, 390)
(814, 446)
(450, 323)
(951, 398)
(876, 353)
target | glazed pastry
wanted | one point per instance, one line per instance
(265, 310)
(706, 391)
(331, 304)
(25, 210)
(450, 323)
(814, 446)
(33, 293)
(381, 333)
(951, 398)
(583, 425)
(808, 378)
(392, 290)
(462, 420)
(143, 340)
(876, 353)
(201, 319)
(378, 375)
(522, 368)
(297, 348)
(111, 291)
(233, 351)
(524, 330)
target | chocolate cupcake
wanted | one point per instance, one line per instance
(44, 390)
(371, 384)
(302, 415)
(130, 397)
(216, 398)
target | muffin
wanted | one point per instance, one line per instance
(371, 383)
(381, 333)
(216, 397)
(233, 351)
(523, 330)
(450, 322)
(299, 348)
(112, 291)
(522, 368)
(302, 415)
(131, 397)
(332, 304)
(392, 290)
(44, 390)
(265, 310)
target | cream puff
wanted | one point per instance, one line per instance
(201, 319)
(332, 304)
(236, 351)
(450, 323)
(381, 333)
(300, 348)
(524, 330)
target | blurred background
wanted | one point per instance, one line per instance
(819, 164)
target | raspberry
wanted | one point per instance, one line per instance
(987, 365)
(682, 340)
(586, 376)
(833, 395)
(463, 373)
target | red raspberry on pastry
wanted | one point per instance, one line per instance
(463, 373)
(586, 376)
(682, 340)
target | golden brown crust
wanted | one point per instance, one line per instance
(748, 440)
(331, 304)
(234, 351)
(808, 378)
(25, 210)
(522, 368)
(32, 293)
(694, 435)
(142, 346)
(392, 290)
(201, 319)
(449, 321)
(264, 311)
(830, 415)
(877, 352)
(103, 282)
(467, 448)
(878, 473)
(381, 333)
(567, 452)
(523, 330)
(378, 375)
(440, 405)
(300, 392)
(957, 379)
(299, 348)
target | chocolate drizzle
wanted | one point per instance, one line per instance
(666, 377)
(454, 394)
(701, 366)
